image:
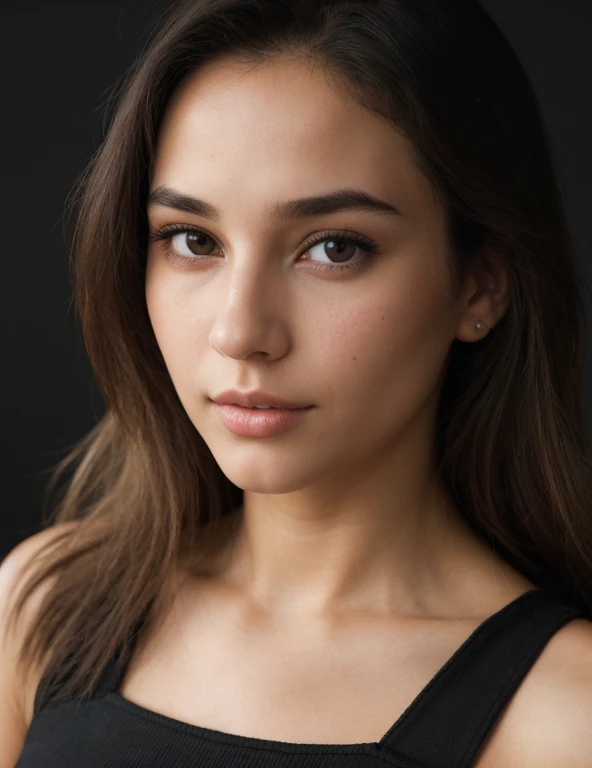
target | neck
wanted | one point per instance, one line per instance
(377, 557)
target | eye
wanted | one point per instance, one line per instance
(339, 246)
(338, 249)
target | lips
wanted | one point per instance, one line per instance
(256, 397)
(260, 422)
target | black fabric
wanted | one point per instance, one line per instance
(444, 727)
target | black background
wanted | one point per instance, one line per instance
(58, 65)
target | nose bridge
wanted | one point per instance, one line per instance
(248, 281)
(248, 305)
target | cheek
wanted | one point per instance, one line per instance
(377, 355)
(388, 354)
(169, 318)
(160, 310)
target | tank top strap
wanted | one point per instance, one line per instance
(448, 722)
(110, 679)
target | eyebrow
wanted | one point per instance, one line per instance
(340, 200)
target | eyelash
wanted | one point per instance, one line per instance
(365, 244)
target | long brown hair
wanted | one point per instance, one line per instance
(510, 433)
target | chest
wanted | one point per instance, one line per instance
(298, 685)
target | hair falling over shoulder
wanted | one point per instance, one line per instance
(511, 439)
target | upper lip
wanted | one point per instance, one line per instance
(254, 397)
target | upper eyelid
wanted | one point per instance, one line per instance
(173, 228)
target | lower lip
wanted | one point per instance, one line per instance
(251, 422)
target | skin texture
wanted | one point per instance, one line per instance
(350, 579)
(344, 511)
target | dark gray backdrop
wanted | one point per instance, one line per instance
(58, 62)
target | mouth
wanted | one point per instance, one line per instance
(268, 407)
(260, 422)
(224, 402)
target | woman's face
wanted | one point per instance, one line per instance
(252, 306)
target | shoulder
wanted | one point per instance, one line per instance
(14, 564)
(13, 573)
(547, 722)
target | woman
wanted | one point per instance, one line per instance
(346, 211)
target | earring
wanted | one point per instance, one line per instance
(478, 324)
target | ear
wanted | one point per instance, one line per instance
(484, 296)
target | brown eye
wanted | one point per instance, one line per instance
(338, 247)
(196, 242)
(338, 250)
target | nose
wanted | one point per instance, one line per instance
(250, 311)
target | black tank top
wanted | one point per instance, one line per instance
(444, 726)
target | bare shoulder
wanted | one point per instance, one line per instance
(12, 576)
(548, 720)
(12, 567)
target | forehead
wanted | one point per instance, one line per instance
(279, 130)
